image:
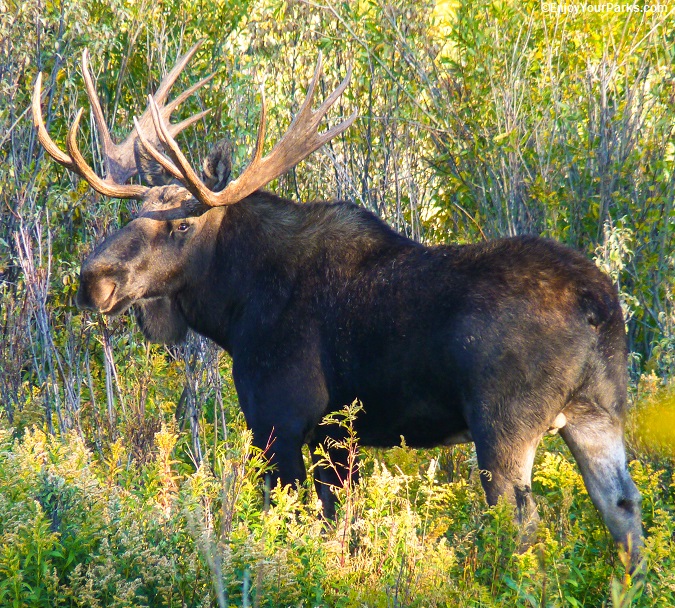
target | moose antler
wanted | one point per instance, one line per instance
(119, 159)
(301, 139)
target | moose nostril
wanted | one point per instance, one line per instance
(106, 288)
(95, 293)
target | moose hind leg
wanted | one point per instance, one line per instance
(596, 442)
(506, 471)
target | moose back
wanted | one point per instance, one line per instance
(322, 303)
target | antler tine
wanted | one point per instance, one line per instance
(43, 135)
(119, 159)
(169, 80)
(307, 104)
(262, 126)
(187, 175)
(157, 155)
(333, 132)
(298, 142)
(95, 104)
(334, 96)
(174, 103)
(318, 114)
(175, 129)
(103, 187)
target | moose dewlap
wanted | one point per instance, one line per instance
(320, 304)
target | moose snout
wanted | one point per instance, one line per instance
(95, 295)
(98, 288)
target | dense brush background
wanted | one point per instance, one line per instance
(126, 474)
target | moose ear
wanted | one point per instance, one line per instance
(217, 166)
(149, 170)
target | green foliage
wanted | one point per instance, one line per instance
(126, 476)
(654, 422)
(71, 537)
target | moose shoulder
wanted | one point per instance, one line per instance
(322, 303)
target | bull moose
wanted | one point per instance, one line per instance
(322, 303)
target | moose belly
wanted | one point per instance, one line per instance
(417, 424)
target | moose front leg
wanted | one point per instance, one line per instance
(283, 452)
(282, 403)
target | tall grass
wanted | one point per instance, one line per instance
(77, 530)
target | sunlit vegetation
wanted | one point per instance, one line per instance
(127, 477)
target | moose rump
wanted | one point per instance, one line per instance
(322, 303)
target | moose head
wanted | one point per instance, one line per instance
(145, 263)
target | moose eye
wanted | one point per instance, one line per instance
(183, 227)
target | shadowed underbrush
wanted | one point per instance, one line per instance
(82, 530)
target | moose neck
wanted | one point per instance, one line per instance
(264, 246)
